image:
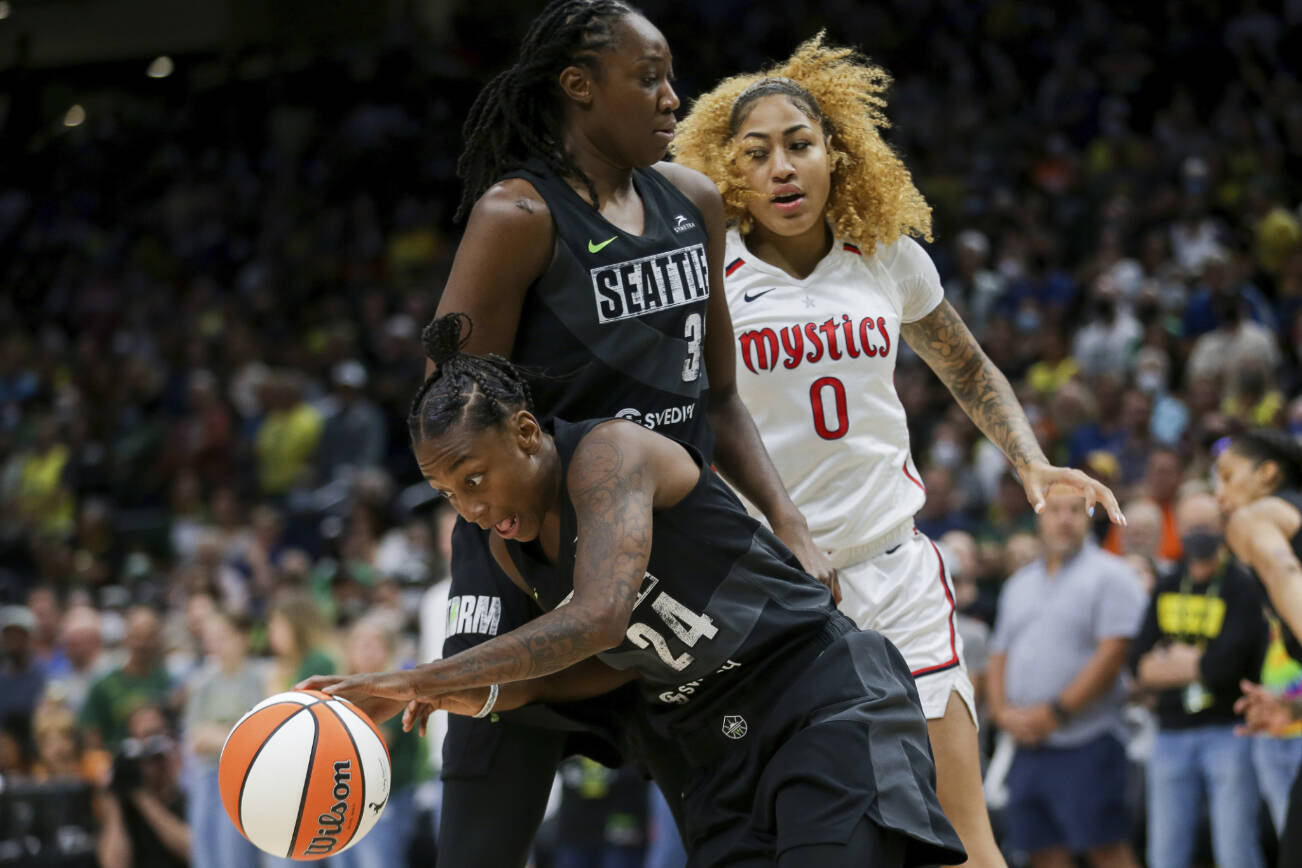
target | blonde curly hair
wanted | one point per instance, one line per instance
(873, 200)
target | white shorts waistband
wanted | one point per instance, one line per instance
(842, 558)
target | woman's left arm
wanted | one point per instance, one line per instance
(739, 451)
(944, 342)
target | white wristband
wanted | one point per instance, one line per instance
(493, 690)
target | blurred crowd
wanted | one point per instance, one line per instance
(214, 287)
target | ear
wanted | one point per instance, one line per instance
(528, 432)
(576, 83)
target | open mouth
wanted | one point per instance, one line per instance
(508, 527)
(788, 201)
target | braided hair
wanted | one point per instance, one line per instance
(481, 389)
(517, 116)
(1270, 444)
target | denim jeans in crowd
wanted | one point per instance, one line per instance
(1276, 761)
(214, 840)
(665, 849)
(1192, 767)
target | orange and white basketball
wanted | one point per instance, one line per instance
(304, 775)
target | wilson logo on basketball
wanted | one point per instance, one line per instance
(643, 286)
(330, 824)
(762, 349)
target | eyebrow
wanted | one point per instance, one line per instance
(788, 131)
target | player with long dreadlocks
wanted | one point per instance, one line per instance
(600, 268)
(823, 280)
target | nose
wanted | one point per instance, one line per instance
(669, 100)
(782, 168)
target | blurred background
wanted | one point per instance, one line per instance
(223, 224)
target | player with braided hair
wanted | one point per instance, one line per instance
(600, 268)
(823, 281)
(803, 733)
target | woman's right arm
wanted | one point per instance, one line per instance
(507, 245)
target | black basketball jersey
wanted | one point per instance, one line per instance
(1291, 643)
(721, 606)
(616, 325)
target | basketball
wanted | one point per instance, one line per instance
(304, 775)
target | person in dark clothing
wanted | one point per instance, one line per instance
(1203, 633)
(143, 810)
(805, 735)
(589, 259)
(1259, 486)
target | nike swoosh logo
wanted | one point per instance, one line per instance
(593, 247)
(749, 297)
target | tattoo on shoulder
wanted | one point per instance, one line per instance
(616, 526)
(524, 205)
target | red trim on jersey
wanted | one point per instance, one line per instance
(953, 646)
(855, 250)
(913, 478)
(733, 266)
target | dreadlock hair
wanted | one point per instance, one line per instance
(517, 116)
(873, 199)
(1271, 444)
(481, 389)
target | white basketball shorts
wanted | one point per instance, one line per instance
(898, 586)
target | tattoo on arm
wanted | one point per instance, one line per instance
(943, 341)
(612, 495)
(524, 205)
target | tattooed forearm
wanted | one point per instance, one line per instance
(945, 344)
(547, 644)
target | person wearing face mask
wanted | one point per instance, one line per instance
(1203, 632)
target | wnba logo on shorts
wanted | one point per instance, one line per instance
(734, 726)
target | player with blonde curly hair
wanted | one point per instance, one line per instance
(823, 279)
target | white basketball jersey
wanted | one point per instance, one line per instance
(816, 368)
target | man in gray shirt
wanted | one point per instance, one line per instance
(1061, 638)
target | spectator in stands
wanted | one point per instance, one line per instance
(296, 638)
(143, 809)
(21, 677)
(1060, 641)
(81, 648)
(1204, 632)
(141, 680)
(288, 437)
(354, 436)
(228, 686)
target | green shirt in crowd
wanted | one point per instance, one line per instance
(112, 699)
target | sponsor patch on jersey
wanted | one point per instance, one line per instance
(682, 224)
(656, 418)
(653, 283)
(470, 613)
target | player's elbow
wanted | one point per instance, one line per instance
(607, 625)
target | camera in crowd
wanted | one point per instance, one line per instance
(132, 757)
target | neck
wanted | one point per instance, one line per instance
(1201, 572)
(797, 255)
(612, 179)
(549, 534)
(1054, 562)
